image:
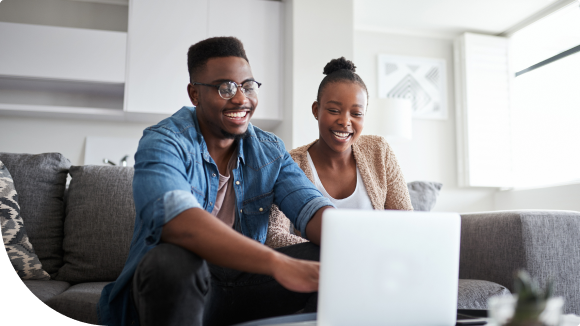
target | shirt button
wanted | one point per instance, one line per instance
(210, 203)
(237, 182)
(261, 209)
(213, 175)
(240, 210)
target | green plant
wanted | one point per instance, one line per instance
(531, 300)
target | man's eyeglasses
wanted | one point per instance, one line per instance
(228, 89)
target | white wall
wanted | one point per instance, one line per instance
(284, 129)
(320, 31)
(566, 197)
(431, 154)
(35, 135)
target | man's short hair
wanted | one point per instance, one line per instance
(215, 47)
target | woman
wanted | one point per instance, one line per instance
(351, 170)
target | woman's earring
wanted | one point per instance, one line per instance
(316, 118)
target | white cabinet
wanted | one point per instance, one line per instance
(140, 75)
(160, 33)
(258, 24)
(48, 52)
(61, 72)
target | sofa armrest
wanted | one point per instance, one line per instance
(545, 243)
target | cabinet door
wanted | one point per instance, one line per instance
(62, 53)
(258, 24)
(160, 33)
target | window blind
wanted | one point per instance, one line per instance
(484, 141)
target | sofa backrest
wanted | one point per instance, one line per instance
(40, 182)
(98, 227)
(88, 239)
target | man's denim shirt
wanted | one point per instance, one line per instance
(174, 172)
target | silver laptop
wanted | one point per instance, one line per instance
(385, 268)
(388, 268)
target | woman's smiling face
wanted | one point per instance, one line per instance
(340, 114)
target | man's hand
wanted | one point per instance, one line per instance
(295, 274)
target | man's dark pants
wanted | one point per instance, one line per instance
(173, 286)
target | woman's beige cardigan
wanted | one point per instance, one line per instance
(380, 173)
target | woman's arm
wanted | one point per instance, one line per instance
(279, 230)
(397, 192)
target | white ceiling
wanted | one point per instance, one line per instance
(436, 18)
(444, 18)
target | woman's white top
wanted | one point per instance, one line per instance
(359, 199)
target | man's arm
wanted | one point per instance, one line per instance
(314, 227)
(168, 211)
(299, 200)
(200, 232)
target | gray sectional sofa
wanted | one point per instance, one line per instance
(81, 234)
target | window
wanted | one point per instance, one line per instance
(518, 104)
(545, 101)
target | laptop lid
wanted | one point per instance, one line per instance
(388, 268)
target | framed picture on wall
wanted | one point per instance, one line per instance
(423, 80)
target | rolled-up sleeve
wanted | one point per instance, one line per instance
(308, 211)
(177, 201)
(160, 186)
(296, 196)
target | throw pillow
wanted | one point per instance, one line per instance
(100, 215)
(40, 180)
(18, 247)
(424, 194)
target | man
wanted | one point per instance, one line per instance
(204, 182)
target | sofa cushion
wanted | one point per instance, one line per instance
(473, 294)
(424, 194)
(45, 290)
(40, 182)
(98, 228)
(79, 302)
(18, 247)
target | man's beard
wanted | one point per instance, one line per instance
(226, 134)
(236, 137)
